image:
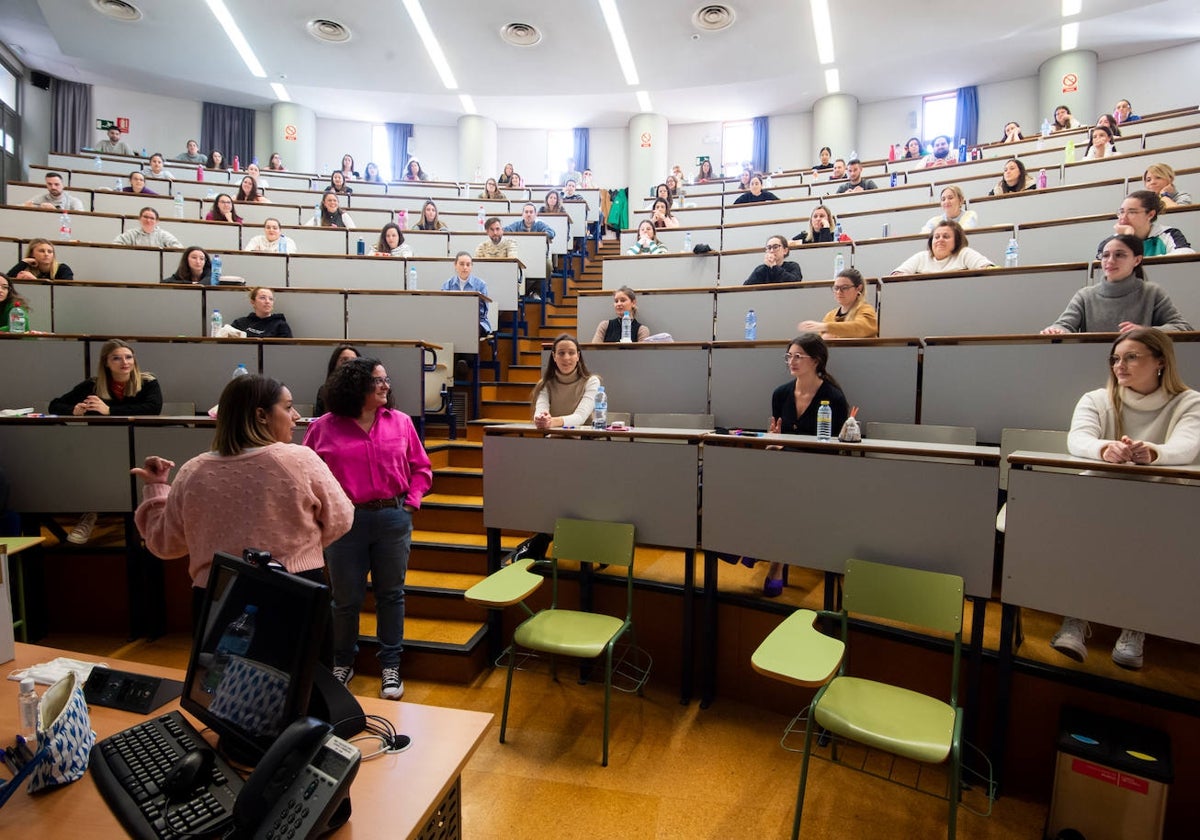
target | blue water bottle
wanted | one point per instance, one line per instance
(751, 325)
(215, 277)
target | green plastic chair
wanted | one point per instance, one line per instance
(878, 715)
(563, 632)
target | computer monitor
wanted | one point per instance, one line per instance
(253, 658)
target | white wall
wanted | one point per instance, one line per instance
(883, 123)
(1001, 102)
(525, 149)
(158, 123)
(341, 137)
(790, 138)
(1152, 81)
(35, 127)
(436, 146)
(608, 154)
(685, 143)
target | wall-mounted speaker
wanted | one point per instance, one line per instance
(39, 79)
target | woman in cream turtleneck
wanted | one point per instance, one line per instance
(1146, 415)
(566, 393)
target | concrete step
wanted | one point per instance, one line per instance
(529, 374)
(507, 411)
(457, 453)
(505, 391)
(458, 480)
(449, 512)
(442, 650)
(455, 552)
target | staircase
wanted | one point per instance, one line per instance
(445, 638)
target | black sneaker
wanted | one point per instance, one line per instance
(343, 673)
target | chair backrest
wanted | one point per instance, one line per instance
(1036, 440)
(438, 372)
(674, 421)
(587, 541)
(912, 596)
(922, 432)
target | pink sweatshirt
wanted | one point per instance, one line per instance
(280, 498)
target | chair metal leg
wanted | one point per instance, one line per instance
(808, 734)
(608, 656)
(955, 777)
(512, 658)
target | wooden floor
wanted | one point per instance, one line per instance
(674, 771)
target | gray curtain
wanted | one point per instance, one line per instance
(229, 130)
(398, 136)
(71, 116)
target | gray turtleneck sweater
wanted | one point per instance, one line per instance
(1104, 306)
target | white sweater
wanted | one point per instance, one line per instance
(1171, 424)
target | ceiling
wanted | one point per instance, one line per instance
(765, 63)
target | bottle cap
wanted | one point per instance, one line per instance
(26, 685)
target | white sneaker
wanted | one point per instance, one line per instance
(343, 673)
(82, 532)
(1127, 652)
(391, 687)
(1071, 638)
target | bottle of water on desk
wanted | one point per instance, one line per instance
(687, 242)
(839, 263)
(751, 325)
(97, 164)
(215, 277)
(824, 421)
(600, 410)
(1042, 180)
(178, 205)
(626, 328)
(1010, 253)
(209, 194)
(240, 370)
(27, 708)
(215, 323)
(412, 278)
(64, 226)
(235, 641)
(18, 322)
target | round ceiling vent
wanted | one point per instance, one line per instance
(329, 31)
(714, 18)
(520, 34)
(118, 10)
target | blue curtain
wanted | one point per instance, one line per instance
(966, 123)
(581, 149)
(760, 156)
(229, 130)
(398, 136)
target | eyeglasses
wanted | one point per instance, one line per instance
(381, 380)
(837, 288)
(1127, 358)
(1131, 211)
(774, 247)
(795, 357)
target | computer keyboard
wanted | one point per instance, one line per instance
(130, 767)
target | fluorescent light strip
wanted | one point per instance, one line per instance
(832, 82)
(616, 32)
(1070, 36)
(823, 30)
(1071, 8)
(643, 99)
(280, 92)
(432, 47)
(468, 103)
(217, 7)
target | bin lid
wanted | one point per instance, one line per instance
(1128, 747)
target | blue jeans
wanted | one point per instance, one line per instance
(378, 543)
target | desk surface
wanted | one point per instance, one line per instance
(15, 545)
(398, 792)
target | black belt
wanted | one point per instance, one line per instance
(380, 504)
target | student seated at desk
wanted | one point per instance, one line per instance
(263, 322)
(332, 214)
(821, 225)
(121, 389)
(946, 251)
(755, 192)
(338, 185)
(1139, 215)
(249, 191)
(464, 281)
(491, 191)
(853, 317)
(137, 184)
(254, 488)
(222, 210)
(661, 215)
(1014, 179)
(1158, 178)
(609, 332)
(40, 263)
(647, 240)
(156, 167)
(1145, 415)
(195, 268)
(429, 218)
(552, 203)
(148, 233)
(8, 298)
(954, 209)
(391, 242)
(1123, 301)
(272, 240)
(1101, 144)
(776, 267)
(340, 355)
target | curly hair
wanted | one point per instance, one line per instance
(348, 386)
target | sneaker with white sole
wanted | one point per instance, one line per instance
(343, 673)
(1127, 652)
(391, 687)
(1071, 638)
(82, 532)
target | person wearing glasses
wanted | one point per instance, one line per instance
(1138, 216)
(148, 234)
(853, 317)
(775, 268)
(1124, 301)
(1145, 415)
(375, 453)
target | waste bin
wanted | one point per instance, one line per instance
(1111, 779)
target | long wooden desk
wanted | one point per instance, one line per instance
(393, 795)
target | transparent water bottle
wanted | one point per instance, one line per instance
(215, 277)
(481, 217)
(317, 214)
(178, 205)
(962, 150)
(751, 325)
(412, 278)
(209, 194)
(687, 242)
(235, 641)
(117, 185)
(1045, 128)
(1010, 253)
(402, 219)
(64, 226)
(215, 323)
(240, 370)
(600, 410)
(824, 421)
(27, 707)
(837, 232)
(97, 164)
(18, 321)
(626, 328)
(839, 263)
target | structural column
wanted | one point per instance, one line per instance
(835, 124)
(294, 136)
(647, 155)
(1069, 79)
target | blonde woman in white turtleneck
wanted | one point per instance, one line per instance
(1146, 415)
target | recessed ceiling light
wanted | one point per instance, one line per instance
(329, 31)
(118, 10)
(520, 34)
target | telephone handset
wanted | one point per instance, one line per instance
(305, 776)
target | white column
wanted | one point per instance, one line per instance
(835, 124)
(294, 136)
(476, 148)
(1069, 79)
(648, 159)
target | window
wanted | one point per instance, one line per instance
(8, 87)
(939, 111)
(737, 147)
(560, 145)
(381, 151)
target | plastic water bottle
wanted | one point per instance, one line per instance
(64, 226)
(412, 278)
(839, 263)
(281, 244)
(962, 150)
(769, 183)
(481, 217)
(209, 193)
(893, 179)
(97, 164)
(687, 242)
(1010, 253)
(600, 410)
(1046, 127)
(178, 205)
(117, 185)
(1041, 179)
(1069, 152)
(361, 247)
(215, 277)
(240, 370)
(824, 421)
(853, 155)
(837, 232)
(235, 641)
(751, 325)
(626, 328)
(18, 322)
(215, 323)
(27, 707)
